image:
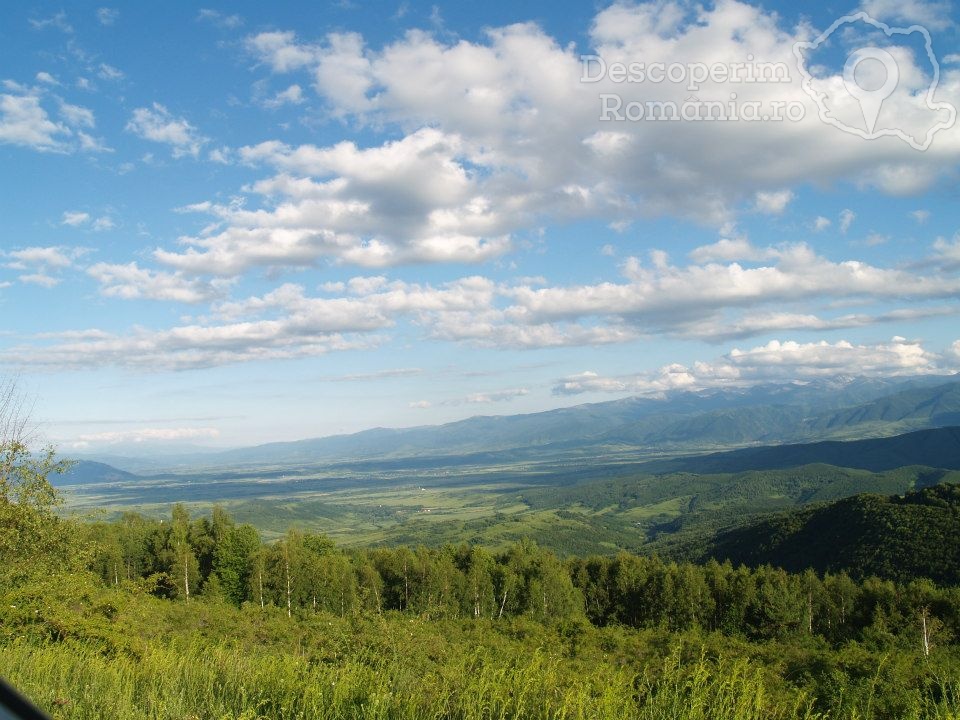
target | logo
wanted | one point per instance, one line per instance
(889, 81)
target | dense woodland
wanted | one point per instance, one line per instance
(301, 574)
(197, 617)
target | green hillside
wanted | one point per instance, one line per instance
(939, 447)
(897, 537)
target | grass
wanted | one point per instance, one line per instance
(217, 682)
(200, 681)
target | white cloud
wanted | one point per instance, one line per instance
(281, 51)
(108, 72)
(57, 21)
(774, 202)
(495, 396)
(846, 219)
(158, 125)
(792, 289)
(24, 122)
(221, 156)
(408, 201)
(499, 135)
(46, 78)
(293, 95)
(669, 299)
(516, 98)
(920, 216)
(80, 219)
(42, 265)
(47, 257)
(378, 375)
(130, 282)
(39, 278)
(933, 15)
(77, 116)
(821, 223)
(775, 361)
(228, 22)
(107, 16)
(103, 223)
(947, 252)
(728, 249)
(142, 435)
(75, 219)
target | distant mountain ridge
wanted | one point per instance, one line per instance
(682, 422)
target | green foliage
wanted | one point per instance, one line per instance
(917, 535)
(32, 539)
(302, 628)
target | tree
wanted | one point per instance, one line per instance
(183, 568)
(33, 540)
(14, 415)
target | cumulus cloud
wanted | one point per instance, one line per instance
(664, 298)
(158, 125)
(293, 95)
(775, 361)
(131, 282)
(947, 252)
(281, 51)
(496, 136)
(932, 15)
(47, 257)
(774, 202)
(79, 219)
(39, 278)
(24, 122)
(408, 201)
(75, 218)
(793, 289)
(728, 249)
(514, 97)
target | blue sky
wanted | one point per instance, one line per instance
(275, 221)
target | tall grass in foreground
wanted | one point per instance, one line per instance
(218, 682)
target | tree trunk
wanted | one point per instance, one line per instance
(925, 636)
(286, 564)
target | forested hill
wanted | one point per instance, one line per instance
(86, 472)
(939, 447)
(902, 538)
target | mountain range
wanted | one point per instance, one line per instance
(678, 423)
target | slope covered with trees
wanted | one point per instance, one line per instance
(916, 535)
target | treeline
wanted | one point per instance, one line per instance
(301, 573)
(896, 537)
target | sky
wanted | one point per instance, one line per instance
(228, 225)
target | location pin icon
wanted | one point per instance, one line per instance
(871, 100)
